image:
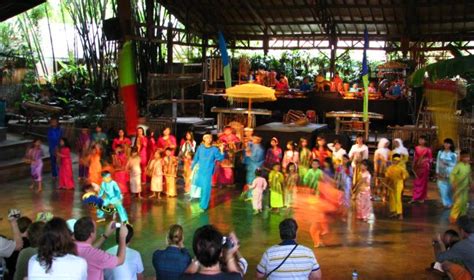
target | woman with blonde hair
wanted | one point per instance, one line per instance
(171, 262)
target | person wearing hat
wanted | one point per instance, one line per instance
(395, 176)
(203, 167)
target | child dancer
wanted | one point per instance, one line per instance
(346, 180)
(312, 177)
(445, 162)
(151, 146)
(225, 174)
(66, 178)
(274, 154)
(259, 184)
(123, 141)
(34, 156)
(290, 156)
(291, 183)
(461, 180)
(395, 176)
(321, 150)
(254, 158)
(358, 152)
(362, 189)
(154, 170)
(328, 168)
(421, 168)
(95, 166)
(187, 171)
(170, 170)
(110, 192)
(276, 181)
(134, 167)
(187, 144)
(141, 143)
(82, 147)
(119, 163)
(381, 162)
(337, 152)
(305, 158)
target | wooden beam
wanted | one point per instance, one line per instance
(124, 13)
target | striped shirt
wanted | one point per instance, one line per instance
(299, 264)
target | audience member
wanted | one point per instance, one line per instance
(7, 247)
(23, 224)
(283, 261)
(209, 246)
(56, 258)
(171, 262)
(132, 268)
(34, 233)
(458, 261)
(85, 233)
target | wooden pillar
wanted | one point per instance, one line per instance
(204, 46)
(169, 47)
(332, 61)
(265, 42)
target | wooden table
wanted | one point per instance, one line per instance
(351, 117)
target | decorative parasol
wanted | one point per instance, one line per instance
(251, 93)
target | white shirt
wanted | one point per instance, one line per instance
(337, 155)
(68, 267)
(7, 247)
(359, 153)
(132, 266)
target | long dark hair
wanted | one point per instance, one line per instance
(451, 143)
(66, 142)
(55, 242)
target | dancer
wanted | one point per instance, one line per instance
(276, 181)
(55, 133)
(151, 146)
(400, 149)
(259, 185)
(248, 137)
(362, 192)
(291, 156)
(229, 138)
(155, 172)
(134, 167)
(141, 143)
(187, 170)
(445, 162)
(337, 152)
(312, 177)
(82, 148)
(274, 154)
(99, 137)
(305, 158)
(395, 177)
(170, 169)
(119, 163)
(34, 157)
(66, 178)
(421, 168)
(358, 152)
(95, 166)
(225, 174)
(187, 144)
(381, 162)
(254, 158)
(122, 140)
(461, 180)
(166, 140)
(321, 150)
(110, 193)
(328, 168)
(203, 168)
(291, 183)
(345, 183)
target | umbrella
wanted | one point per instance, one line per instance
(251, 93)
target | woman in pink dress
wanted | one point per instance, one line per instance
(123, 141)
(66, 179)
(363, 195)
(119, 162)
(166, 140)
(141, 143)
(421, 168)
(151, 144)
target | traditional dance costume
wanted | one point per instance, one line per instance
(163, 143)
(445, 162)
(125, 142)
(304, 162)
(110, 193)
(395, 176)
(272, 157)
(121, 176)
(66, 178)
(291, 183)
(134, 167)
(170, 166)
(259, 184)
(290, 156)
(54, 135)
(337, 155)
(312, 177)
(187, 171)
(82, 147)
(357, 154)
(253, 162)
(35, 156)
(461, 181)
(276, 181)
(363, 197)
(421, 166)
(320, 154)
(142, 144)
(95, 168)
(155, 171)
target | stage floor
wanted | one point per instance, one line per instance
(385, 249)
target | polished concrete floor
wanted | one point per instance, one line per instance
(384, 249)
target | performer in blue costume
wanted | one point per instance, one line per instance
(254, 159)
(111, 194)
(445, 163)
(55, 134)
(204, 162)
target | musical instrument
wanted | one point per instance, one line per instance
(296, 117)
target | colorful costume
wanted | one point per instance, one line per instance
(273, 156)
(363, 196)
(82, 147)
(54, 135)
(66, 178)
(101, 139)
(155, 171)
(110, 193)
(395, 176)
(358, 153)
(125, 142)
(346, 185)
(461, 181)
(276, 181)
(337, 155)
(35, 156)
(162, 143)
(320, 154)
(204, 163)
(401, 150)
(312, 177)
(259, 184)
(445, 162)
(92, 199)
(304, 162)
(134, 166)
(421, 166)
(253, 162)
(170, 166)
(187, 171)
(95, 168)
(142, 144)
(186, 146)
(121, 175)
(290, 156)
(291, 183)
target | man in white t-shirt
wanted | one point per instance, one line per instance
(7, 246)
(132, 268)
